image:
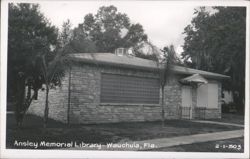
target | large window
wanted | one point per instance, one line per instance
(129, 89)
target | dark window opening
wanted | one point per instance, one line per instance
(129, 89)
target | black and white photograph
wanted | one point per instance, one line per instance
(124, 79)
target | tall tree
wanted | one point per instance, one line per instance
(52, 73)
(135, 36)
(75, 40)
(66, 34)
(81, 43)
(147, 50)
(29, 35)
(165, 72)
(110, 29)
(195, 45)
(216, 42)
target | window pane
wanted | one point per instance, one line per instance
(129, 89)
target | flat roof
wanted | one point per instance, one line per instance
(140, 63)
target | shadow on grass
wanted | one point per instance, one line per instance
(231, 118)
(102, 133)
(33, 131)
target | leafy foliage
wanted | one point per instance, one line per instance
(151, 53)
(109, 29)
(169, 59)
(30, 38)
(75, 40)
(165, 72)
(105, 31)
(66, 34)
(52, 72)
(216, 42)
(29, 34)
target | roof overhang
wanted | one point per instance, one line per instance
(114, 60)
(139, 63)
(194, 79)
(206, 74)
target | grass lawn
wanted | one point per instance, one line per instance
(103, 133)
(229, 145)
(231, 118)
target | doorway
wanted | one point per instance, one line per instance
(187, 102)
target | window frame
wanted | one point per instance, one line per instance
(128, 103)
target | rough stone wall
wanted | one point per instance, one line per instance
(173, 99)
(85, 94)
(58, 102)
(85, 98)
(212, 113)
(85, 105)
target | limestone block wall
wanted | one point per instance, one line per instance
(85, 98)
(85, 94)
(58, 102)
(85, 105)
(173, 99)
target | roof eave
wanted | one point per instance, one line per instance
(90, 61)
(188, 71)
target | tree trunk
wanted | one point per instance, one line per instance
(162, 107)
(20, 100)
(35, 93)
(46, 110)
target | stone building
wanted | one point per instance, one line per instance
(105, 87)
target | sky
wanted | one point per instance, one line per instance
(163, 22)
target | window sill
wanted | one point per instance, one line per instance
(127, 104)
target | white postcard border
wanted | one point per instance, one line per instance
(14, 153)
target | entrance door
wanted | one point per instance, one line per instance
(186, 109)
